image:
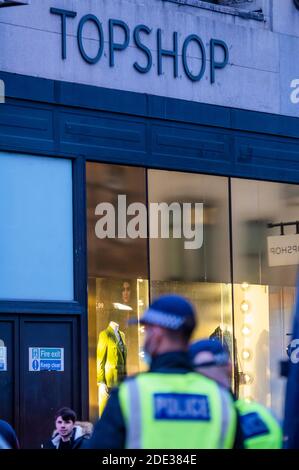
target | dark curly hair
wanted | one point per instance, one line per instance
(67, 414)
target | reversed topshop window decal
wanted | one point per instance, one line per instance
(283, 250)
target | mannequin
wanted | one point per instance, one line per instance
(111, 361)
(114, 326)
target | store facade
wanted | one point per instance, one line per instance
(123, 104)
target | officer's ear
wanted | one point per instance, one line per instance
(158, 334)
(157, 330)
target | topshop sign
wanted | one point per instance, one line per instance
(179, 53)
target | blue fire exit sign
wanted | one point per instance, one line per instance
(46, 359)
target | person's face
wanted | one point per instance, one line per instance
(64, 428)
(126, 292)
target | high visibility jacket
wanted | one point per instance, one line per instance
(176, 411)
(259, 428)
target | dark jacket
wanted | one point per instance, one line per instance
(8, 437)
(110, 430)
(77, 440)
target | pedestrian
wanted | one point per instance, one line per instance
(169, 406)
(257, 428)
(67, 434)
(8, 437)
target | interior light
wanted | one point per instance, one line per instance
(244, 285)
(246, 354)
(246, 330)
(248, 399)
(244, 306)
(121, 306)
(248, 379)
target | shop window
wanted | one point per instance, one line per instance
(36, 237)
(201, 274)
(117, 281)
(264, 221)
(265, 263)
(118, 286)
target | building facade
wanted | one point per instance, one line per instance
(117, 103)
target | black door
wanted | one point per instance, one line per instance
(43, 392)
(29, 399)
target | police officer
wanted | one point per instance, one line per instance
(259, 429)
(170, 406)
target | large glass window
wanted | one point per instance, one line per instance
(248, 309)
(201, 273)
(117, 278)
(265, 260)
(36, 236)
(196, 263)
